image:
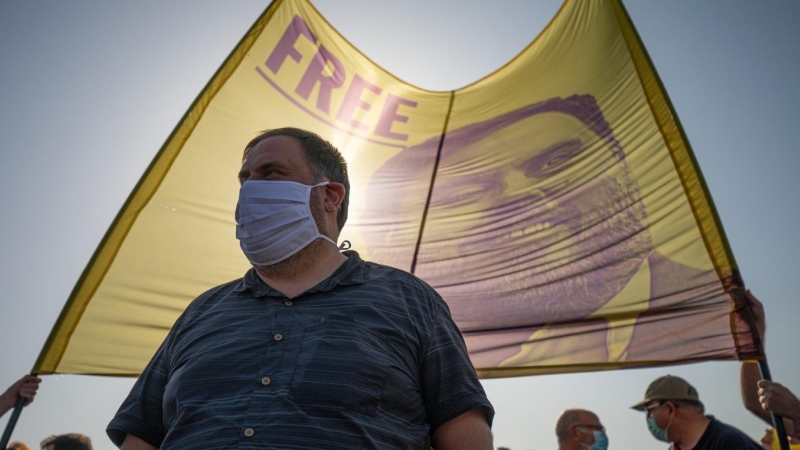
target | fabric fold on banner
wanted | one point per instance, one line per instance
(555, 204)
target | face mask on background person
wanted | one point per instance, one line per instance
(659, 433)
(600, 441)
(274, 220)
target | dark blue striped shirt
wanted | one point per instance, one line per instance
(367, 359)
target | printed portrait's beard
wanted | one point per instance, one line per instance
(556, 258)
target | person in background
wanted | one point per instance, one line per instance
(71, 441)
(775, 398)
(676, 415)
(17, 446)
(579, 429)
(25, 387)
(762, 397)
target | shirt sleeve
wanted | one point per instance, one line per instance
(450, 386)
(141, 414)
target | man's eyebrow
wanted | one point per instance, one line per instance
(267, 165)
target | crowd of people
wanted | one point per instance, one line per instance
(673, 410)
(675, 415)
(316, 348)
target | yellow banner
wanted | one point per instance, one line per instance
(775, 443)
(555, 204)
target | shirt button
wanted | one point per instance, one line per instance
(288, 303)
(265, 381)
(249, 432)
(278, 337)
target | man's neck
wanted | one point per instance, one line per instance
(303, 270)
(691, 433)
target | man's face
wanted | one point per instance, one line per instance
(662, 413)
(558, 217)
(282, 158)
(586, 427)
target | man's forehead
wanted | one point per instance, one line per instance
(555, 119)
(276, 149)
(547, 125)
(277, 146)
(588, 418)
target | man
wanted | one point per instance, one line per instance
(776, 398)
(675, 414)
(17, 446)
(71, 441)
(578, 429)
(313, 348)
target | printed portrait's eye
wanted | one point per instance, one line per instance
(556, 158)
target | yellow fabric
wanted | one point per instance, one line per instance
(776, 444)
(568, 226)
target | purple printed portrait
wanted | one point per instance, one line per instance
(534, 216)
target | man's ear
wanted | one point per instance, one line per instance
(334, 195)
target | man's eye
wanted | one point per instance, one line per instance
(554, 159)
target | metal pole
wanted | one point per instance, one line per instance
(12, 422)
(777, 420)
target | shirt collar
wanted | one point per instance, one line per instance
(352, 271)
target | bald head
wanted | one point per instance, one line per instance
(571, 418)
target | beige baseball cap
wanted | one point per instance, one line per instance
(668, 387)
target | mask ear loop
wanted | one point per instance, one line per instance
(666, 430)
(345, 245)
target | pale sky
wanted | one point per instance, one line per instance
(89, 90)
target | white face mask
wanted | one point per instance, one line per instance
(274, 221)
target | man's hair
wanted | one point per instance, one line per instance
(567, 420)
(17, 446)
(323, 158)
(71, 441)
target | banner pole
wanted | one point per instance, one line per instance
(777, 420)
(12, 422)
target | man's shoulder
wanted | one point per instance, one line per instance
(376, 270)
(392, 287)
(209, 302)
(376, 274)
(223, 289)
(724, 435)
(216, 294)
